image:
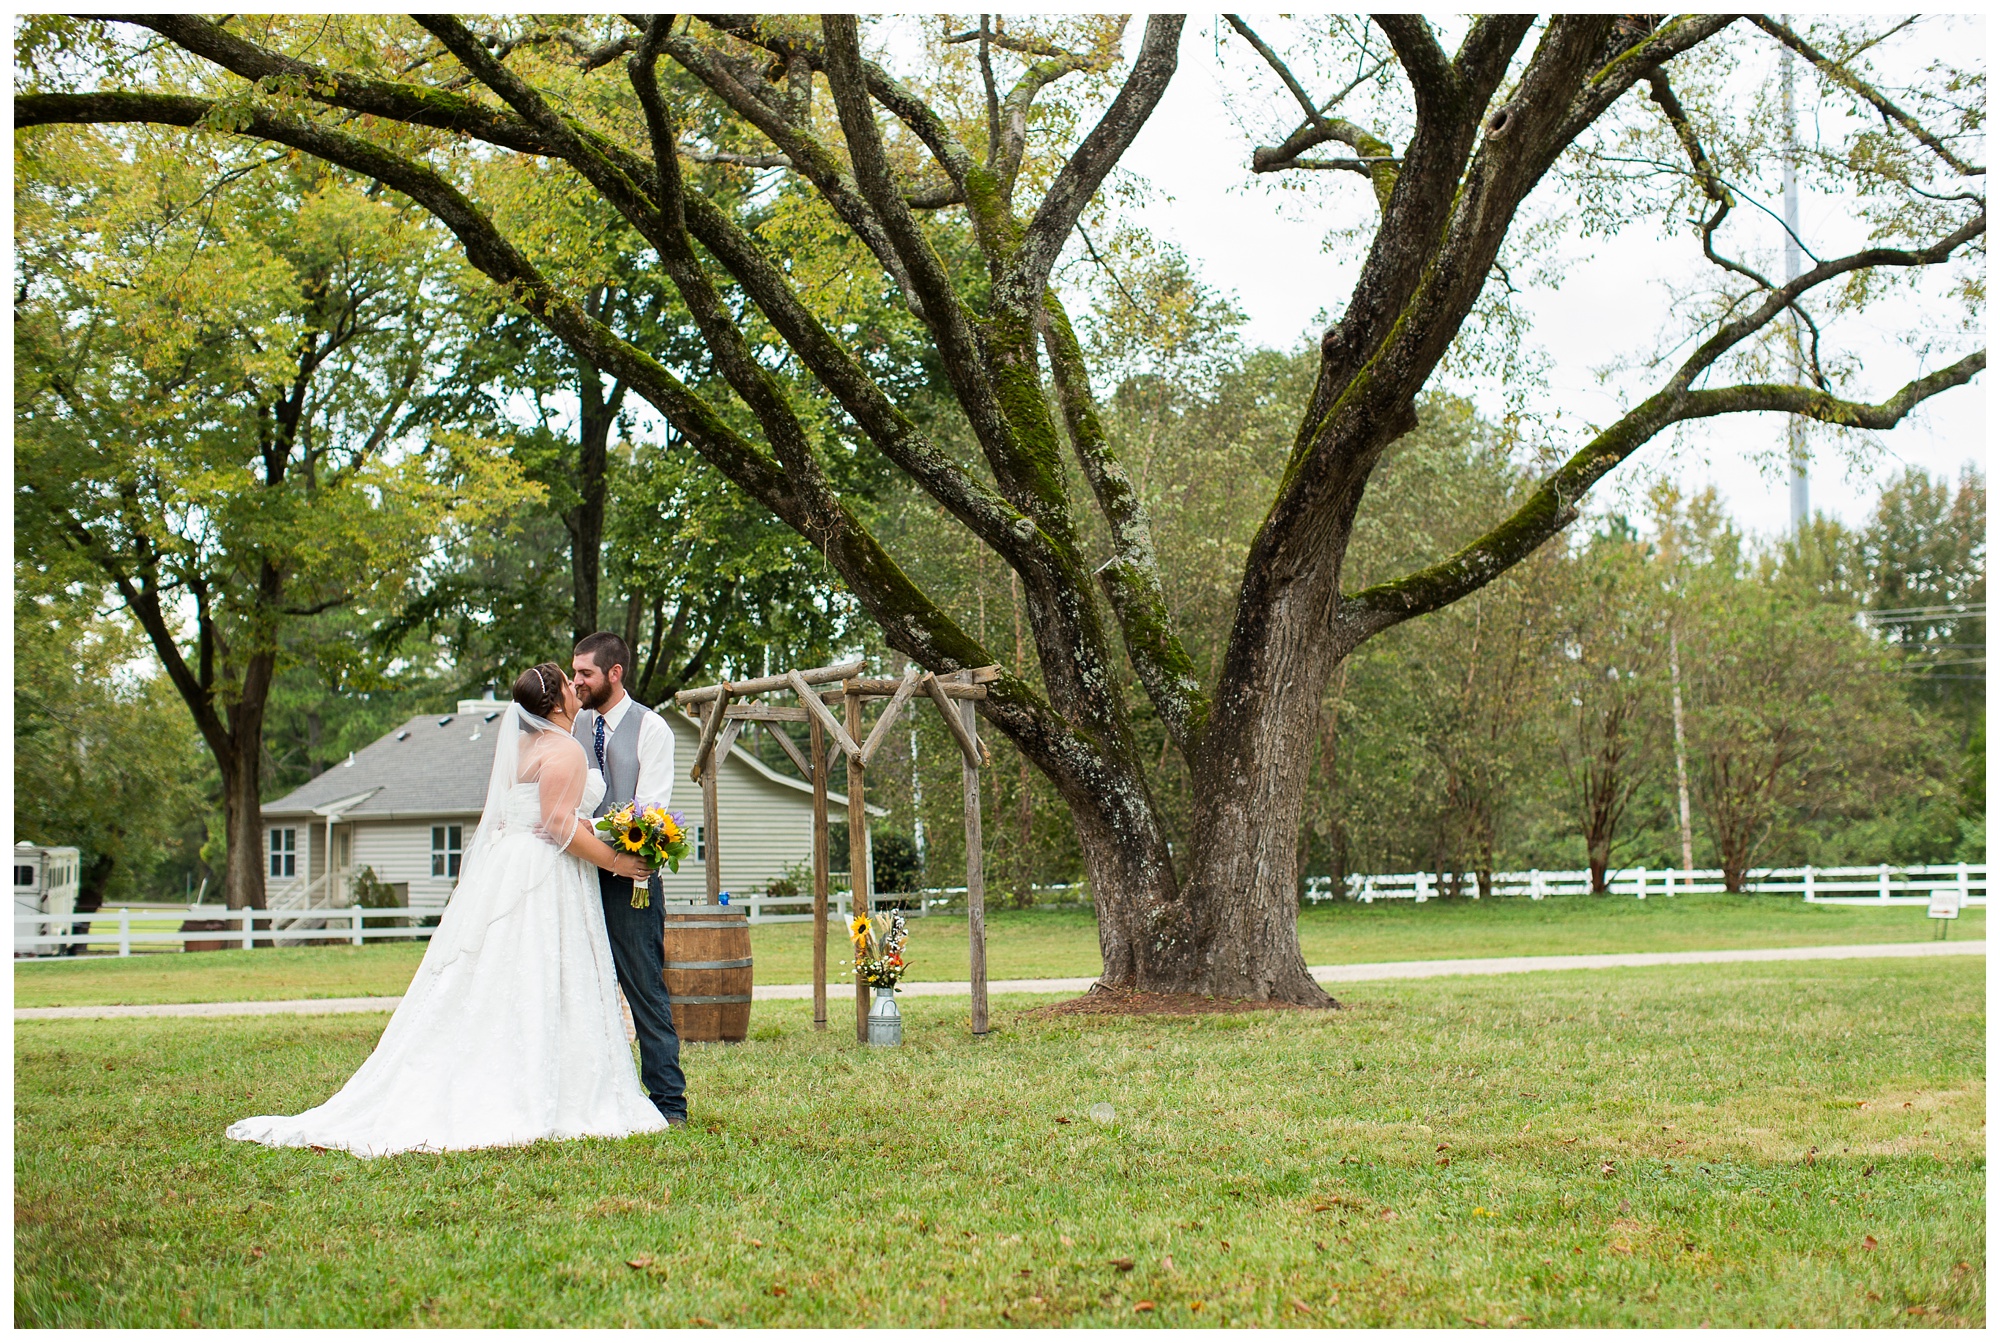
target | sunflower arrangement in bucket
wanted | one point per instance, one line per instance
(656, 835)
(878, 948)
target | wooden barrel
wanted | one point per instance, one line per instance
(708, 971)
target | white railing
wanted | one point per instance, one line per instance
(1883, 884)
(246, 928)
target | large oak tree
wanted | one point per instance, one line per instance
(898, 163)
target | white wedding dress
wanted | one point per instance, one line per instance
(511, 1031)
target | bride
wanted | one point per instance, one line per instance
(511, 1030)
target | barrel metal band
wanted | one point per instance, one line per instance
(708, 998)
(709, 965)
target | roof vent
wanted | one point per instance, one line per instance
(491, 716)
(404, 735)
(446, 719)
(349, 762)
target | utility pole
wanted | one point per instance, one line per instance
(1680, 751)
(1795, 439)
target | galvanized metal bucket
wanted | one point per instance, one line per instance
(885, 1019)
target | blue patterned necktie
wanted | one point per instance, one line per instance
(600, 741)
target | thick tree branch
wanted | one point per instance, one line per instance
(1433, 83)
(1553, 505)
(1096, 156)
(812, 160)
(1377, 159)
(958, 346)
(1868, 93)
(1131, 577)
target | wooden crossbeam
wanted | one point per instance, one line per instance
(710, 725)
(818, 709)
(973, 749)
(766, 713)
(873, 688)
(912, 676)
(784, 740)
(744, 689)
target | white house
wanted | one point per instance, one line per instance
(407, 805)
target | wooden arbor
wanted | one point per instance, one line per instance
(725, 708)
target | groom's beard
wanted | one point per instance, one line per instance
(591, 700)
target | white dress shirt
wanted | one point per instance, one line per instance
(656, 752)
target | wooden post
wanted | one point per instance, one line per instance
(820, 865)
(711, 803)
(975, 874)
(857, 850)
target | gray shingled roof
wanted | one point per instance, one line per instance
(436, 765)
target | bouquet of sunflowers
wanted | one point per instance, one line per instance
(656, 835)
(878, 948)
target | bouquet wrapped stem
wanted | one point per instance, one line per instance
(655, 835)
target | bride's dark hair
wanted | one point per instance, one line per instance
(539, 689)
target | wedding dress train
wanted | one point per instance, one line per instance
(511, 1031)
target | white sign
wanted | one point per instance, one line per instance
(1944, 903)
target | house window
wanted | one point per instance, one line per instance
(23, 875)
(345, 848)
(446, 847)
(284, 853)
(700, 843)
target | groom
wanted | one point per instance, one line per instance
(633, 748)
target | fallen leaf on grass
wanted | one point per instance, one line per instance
(1122, 1265)
(1062, 1119)
(704, 1321)
(1142, 1305)
(778, 1291)
(1870, 1171)
(1868, 1242)
(1196, 1305)
(318, 1150)
(256, 1252)
(643, 1261)
(758, 1243)
(1066, 1240)
(1388, 1214)
(1444, 1161)
(1874, 1296)
(1167, 1263)
(1606, 1168)
(1301, 1306)
(1038, 1301)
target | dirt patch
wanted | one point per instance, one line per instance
(1106, 1001)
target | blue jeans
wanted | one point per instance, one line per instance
(638, 952)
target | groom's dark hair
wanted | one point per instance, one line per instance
(607, 650)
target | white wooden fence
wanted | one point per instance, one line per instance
(1882, 884)
(157, 928)
(248, 928)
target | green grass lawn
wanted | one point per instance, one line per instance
(1748, 1145)
(1036, 944)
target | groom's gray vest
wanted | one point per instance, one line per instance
(621, 754)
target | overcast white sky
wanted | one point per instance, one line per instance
(1269, 254)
